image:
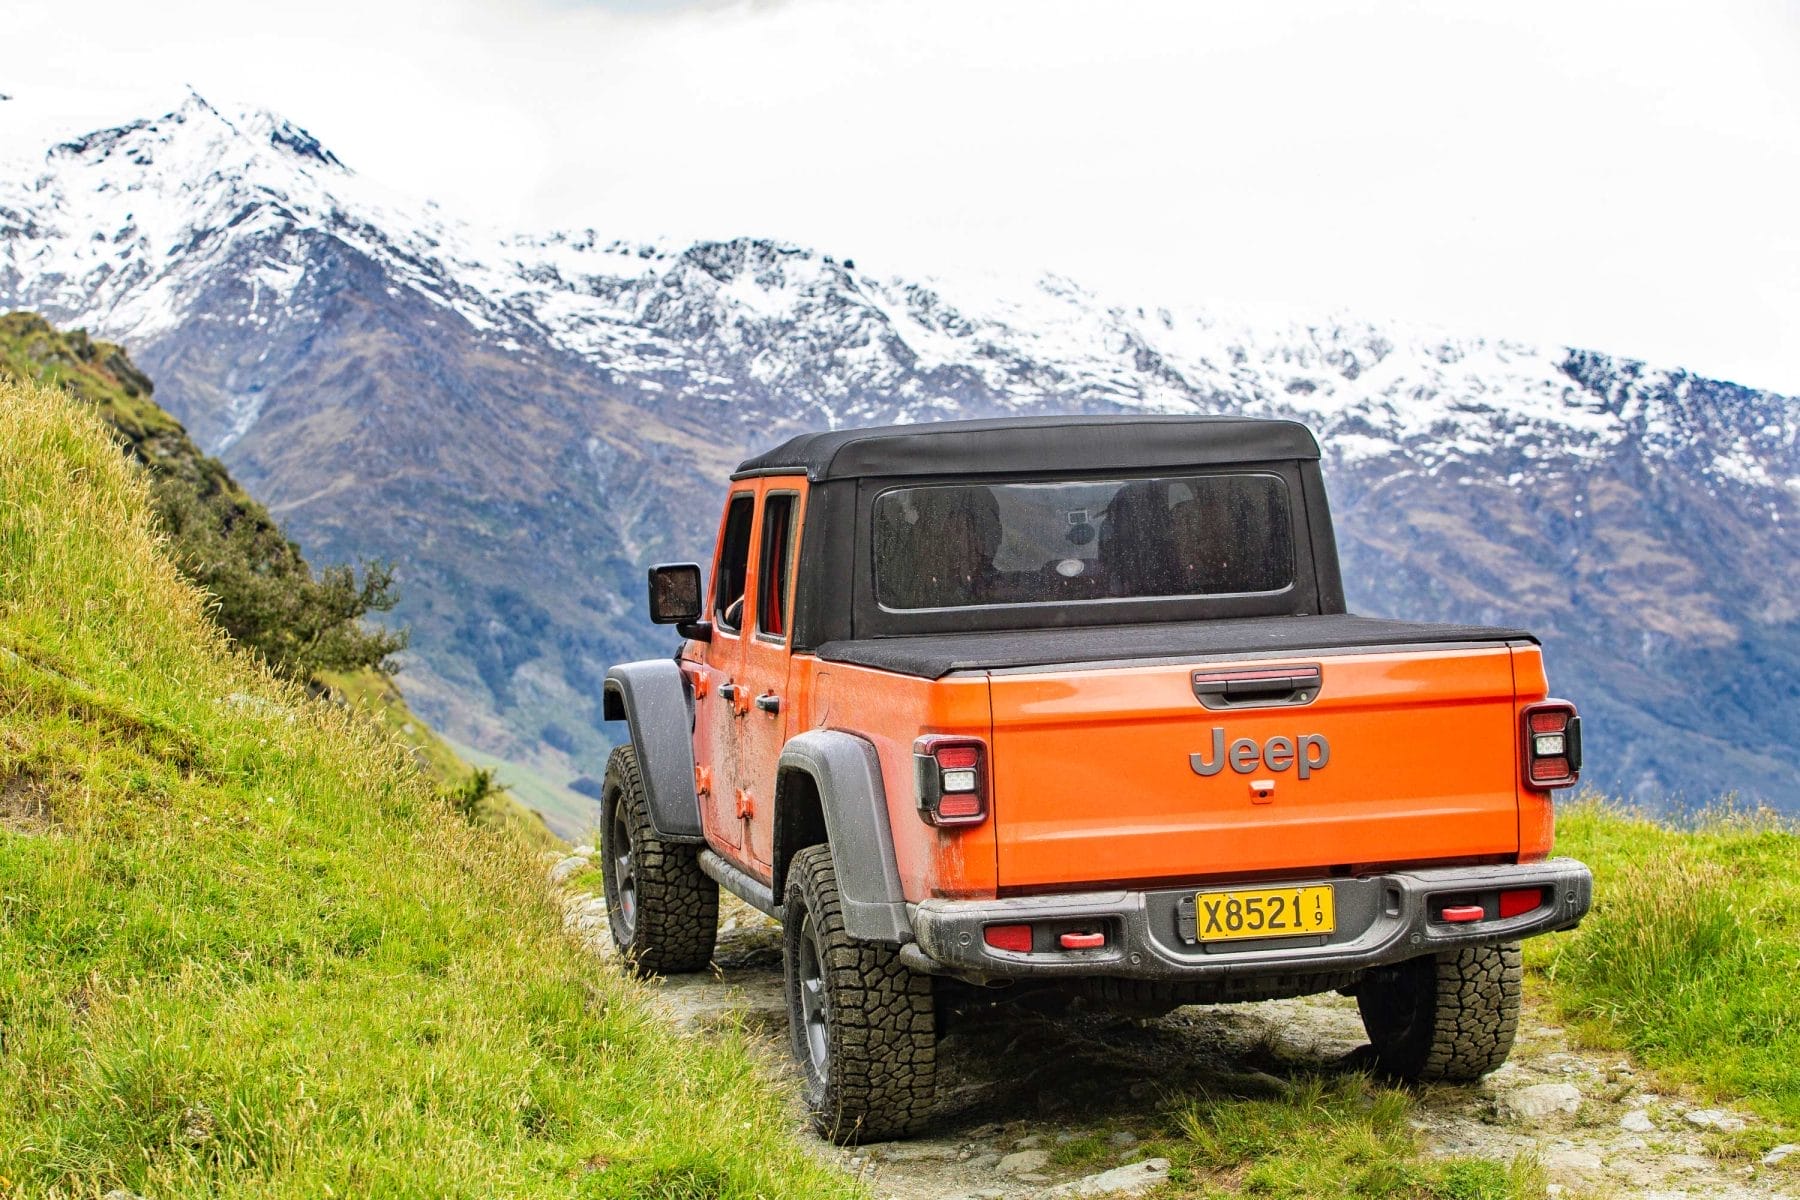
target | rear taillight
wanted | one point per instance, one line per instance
(950, 778)
(1552, 744)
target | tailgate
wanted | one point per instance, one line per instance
(1123, 774)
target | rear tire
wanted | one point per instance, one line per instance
(1447, 1017)
(863, 1025)
(663, 909)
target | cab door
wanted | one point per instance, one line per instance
(763, 729)
(719, 705)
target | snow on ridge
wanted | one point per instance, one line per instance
(126, 227)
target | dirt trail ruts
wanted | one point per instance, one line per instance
(1016, 1084)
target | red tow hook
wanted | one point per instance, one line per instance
(1082, 941)
(1463, 912)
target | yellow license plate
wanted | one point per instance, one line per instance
(1264, 912)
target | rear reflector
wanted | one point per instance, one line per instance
(1016, 938)
(1523, 900)
(1461, 913)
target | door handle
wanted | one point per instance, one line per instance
(728, 691)
(769, 702)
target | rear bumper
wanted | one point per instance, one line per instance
(1381, 919)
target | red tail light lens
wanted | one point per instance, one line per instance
(1552, 772)
(1551, 750)
(1016, 938)
(959, 807)
(950, 778)
(954, 757)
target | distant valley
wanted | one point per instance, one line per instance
(523, 423)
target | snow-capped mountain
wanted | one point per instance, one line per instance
(523, 422)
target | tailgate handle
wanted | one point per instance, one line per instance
(1257, 686)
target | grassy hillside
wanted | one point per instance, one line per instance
(265, 594)
(263, 590)
(245, 950)
(1691, 957)
(374, 694)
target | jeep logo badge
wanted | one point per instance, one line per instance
(1306, 753)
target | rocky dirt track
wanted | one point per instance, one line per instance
(1015, 1086)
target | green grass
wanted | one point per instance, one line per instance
(374, 694)
(1691, 957)
(246, 949)
(1344, 1136)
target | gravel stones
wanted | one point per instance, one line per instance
(1541, 1102)
(1130, 1180)
(1574, 1161)
(1024, 1162)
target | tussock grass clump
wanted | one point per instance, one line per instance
(1336, 1137)
(245, 947)
(1691, 956)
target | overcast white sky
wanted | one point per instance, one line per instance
(1623, 176)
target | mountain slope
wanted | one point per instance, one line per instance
(522, 424)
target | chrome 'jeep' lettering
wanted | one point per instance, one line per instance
(1306, 753)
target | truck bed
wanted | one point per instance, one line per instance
(936, 655)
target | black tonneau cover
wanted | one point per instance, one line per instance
(936, 655)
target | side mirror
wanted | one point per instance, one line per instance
(675, 599)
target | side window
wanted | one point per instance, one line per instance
(773, 594)
(734, 563)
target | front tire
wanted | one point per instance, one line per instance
(663, 909)
(863, 1026)
(1447, 1017)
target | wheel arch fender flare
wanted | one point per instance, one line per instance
(653, 700)
(845, 773)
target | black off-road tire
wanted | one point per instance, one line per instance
(863, 1026)
(663, 909)
(1447, 1017)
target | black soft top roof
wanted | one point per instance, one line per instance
(1034, 444)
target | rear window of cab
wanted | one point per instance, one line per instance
(971, 545)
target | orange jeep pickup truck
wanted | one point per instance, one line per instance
(1034, 708)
